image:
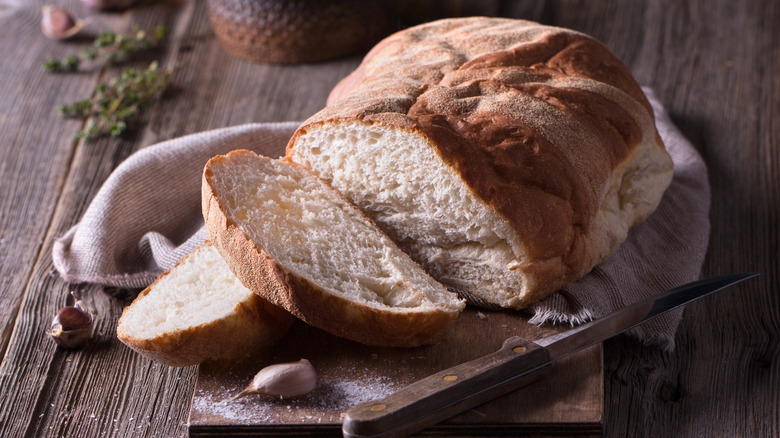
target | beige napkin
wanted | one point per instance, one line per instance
(147, 216)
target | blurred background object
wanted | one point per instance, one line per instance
(292, 31)
(296, 31)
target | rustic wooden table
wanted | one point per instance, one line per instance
(715, 64)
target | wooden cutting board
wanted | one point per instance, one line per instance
(567, 402)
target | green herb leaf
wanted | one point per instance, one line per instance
(119, 100)
(113, 47)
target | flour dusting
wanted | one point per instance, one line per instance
(329, 400)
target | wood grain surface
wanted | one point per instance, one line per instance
(715, 65)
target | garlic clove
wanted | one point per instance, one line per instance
(292, 379)
(58, 24)
(70, 338)
(73, 325)
(72, 318)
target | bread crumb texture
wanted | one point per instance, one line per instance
(200, 290)
(316, 234)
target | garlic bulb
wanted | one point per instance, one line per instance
(72, 326)
(58, 24)
(283, 380)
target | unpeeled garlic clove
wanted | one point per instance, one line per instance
(72, 326)
(58, 24)
(283, 380)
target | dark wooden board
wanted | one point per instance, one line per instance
(568, 401)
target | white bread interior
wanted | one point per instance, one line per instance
(298, 243)
(199, 311)
(395, 176)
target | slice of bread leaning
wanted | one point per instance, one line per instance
(298, 243)
(200, 312)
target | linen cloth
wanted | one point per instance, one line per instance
(147, 216)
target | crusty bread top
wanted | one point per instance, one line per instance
(543, 124)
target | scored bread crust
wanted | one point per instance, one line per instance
(544, 125)
(254, 325)
(350, 319)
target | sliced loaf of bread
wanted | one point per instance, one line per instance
(298, 243)
(200, 312)
(507, 157)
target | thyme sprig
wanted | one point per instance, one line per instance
(118, 100)
(115, 48)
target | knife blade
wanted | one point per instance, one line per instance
(517, 363)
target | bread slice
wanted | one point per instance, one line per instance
(299, 244)
(199, 312)
(508, 158)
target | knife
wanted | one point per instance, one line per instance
(517, 364)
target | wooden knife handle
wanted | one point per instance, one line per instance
(449, 392)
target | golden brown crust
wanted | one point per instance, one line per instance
(254, 325)
(539, 122)
(339, 316)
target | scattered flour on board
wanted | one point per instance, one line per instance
(331, 397)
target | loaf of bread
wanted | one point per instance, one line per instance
(199, 312)
(506, 157)
(298, 243)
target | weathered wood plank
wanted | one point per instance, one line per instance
(31, 364)
(36, 148)
(714, 65)
(41, 387)
(105, 388)
(36, 154)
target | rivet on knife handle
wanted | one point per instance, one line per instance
(443, 394)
